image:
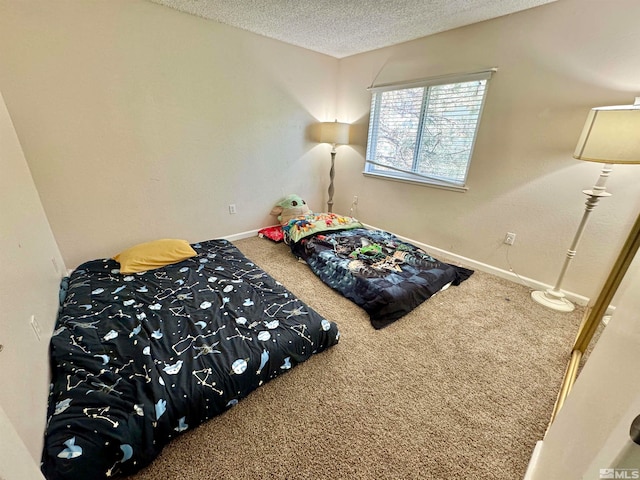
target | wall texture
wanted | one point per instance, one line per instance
(31, 272)
(140, 122)
(15, 460)
(137, 122)
(555, 62)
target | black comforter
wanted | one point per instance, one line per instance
(382, 274)
(137, 359)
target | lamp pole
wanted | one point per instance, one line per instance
(554, 297)
(334, 133)
(332, 173)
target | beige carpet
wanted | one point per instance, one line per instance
(461, 388)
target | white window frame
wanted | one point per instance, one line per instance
(374, 169)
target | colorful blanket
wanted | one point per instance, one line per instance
(304, 226)
(382, 274)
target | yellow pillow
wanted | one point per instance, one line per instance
(151, 255)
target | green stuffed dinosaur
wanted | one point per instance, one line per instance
(291, 206)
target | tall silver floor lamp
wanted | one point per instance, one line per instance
(610, 135)
(335, 133)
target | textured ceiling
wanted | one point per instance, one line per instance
(345, 27)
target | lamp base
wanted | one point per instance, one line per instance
(553, 300)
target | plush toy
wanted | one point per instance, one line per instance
(291, 206)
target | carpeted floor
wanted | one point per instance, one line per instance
(461, 388)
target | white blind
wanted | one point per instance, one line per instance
(440, 80)
(427, 131)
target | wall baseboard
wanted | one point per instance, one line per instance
(483, 267)
(241, 235)
(533, 461)
(468, 262)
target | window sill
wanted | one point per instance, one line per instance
(432, 184)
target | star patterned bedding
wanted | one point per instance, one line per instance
(382, 274)
(137, 359)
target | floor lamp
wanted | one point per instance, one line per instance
(610, 135)
(335, 133)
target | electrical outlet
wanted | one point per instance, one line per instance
(355, 200)
(36, 327)
(510, 238)
(232, 209)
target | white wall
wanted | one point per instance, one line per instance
(554, 63)
(141, 122)
(28, 286)
(15, 461)
(137, 122)
(592, 427)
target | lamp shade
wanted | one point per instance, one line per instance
(611, 135)
(334, 132)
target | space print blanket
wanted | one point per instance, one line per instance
(137, 359)
(385, 276)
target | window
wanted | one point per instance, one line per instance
(425, 131)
